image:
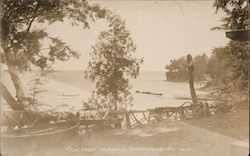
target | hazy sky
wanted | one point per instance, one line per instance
(162, 30)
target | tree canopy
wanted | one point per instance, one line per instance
(236, 13)
(22, 44)
(230, 63)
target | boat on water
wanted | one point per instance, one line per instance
(68, 96)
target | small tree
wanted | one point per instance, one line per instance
(31, 102)
(112, 65)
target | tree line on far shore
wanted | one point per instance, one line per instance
(177, 69)
(226, 65)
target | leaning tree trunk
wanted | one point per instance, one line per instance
(9, 98)
(13, 103)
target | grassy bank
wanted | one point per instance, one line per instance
(233, 124)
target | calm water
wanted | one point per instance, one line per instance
(145, 82)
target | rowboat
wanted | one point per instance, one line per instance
(19, 119)
(18, 127)
(38, 138)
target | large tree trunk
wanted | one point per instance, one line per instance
(9, 98)
(197, 107)
(13, 103)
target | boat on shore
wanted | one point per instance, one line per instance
(21, 127)
(39, 137)
(41, 133)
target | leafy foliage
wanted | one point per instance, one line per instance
(228, 68)
(201, 65)
(112, 65)
(230, 63)
(22, 45)
(236, 13)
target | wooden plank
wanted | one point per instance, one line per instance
(99, 121)
(239, 35)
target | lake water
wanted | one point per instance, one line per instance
(146, 82)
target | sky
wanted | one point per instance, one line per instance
(162, 30)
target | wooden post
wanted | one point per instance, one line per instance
(128, 123)
(191, 78)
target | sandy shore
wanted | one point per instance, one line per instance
(55, 95)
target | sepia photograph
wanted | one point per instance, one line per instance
(124, 77)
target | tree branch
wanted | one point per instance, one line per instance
(27, 30)
(30, 17)
(30, 23)
(21, 20)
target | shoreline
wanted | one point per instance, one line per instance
(73, 83)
